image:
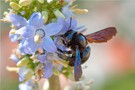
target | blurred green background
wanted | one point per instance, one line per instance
(111, 65)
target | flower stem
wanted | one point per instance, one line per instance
(54, 83)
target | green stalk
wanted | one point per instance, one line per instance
(54, 83)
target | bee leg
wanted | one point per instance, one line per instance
(77, 65)
(65, 52)
(63, 56)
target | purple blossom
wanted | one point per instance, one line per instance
(25, 86)
(14, 58)
(17, 20)
(66, 10)
(29, 85)
(27, 46)
(68, 24)
(81, 28)
(42, 58)
(48, 69)
(35, 27)
(14, 37)
(47, 59)
(23, 73)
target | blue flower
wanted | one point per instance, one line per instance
(14, 58)
(28, 46)
(49, 60)
(14, 37)
(24, 86)
(66, 10)
(48, 69)
(42, 58)
(25, 74)
(81, 28)
(29, 85)
(68, 24)
(35, 34)
(17, 20)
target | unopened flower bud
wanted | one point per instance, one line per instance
(49, 1)
(45, 16)
(12, 26)
(12, 69)
(22, 62)
(5, 13)
(14, 5)
(58, 13)
(41, 1)
(12, 31)
(77, 10)
(25, 2)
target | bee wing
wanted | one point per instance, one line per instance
(102, 35)
(77, 66)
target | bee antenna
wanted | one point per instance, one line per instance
(70, 23)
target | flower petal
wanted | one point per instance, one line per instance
(22, 72)
(59, 44)
(25, 86)
(60, 67)
(64, 28)
(73, 23)
(42, 58)
(66, 24)
(60, 20)
(49, 45)
(52, 29)
(14, 58)
(26, 32)
(48, 70)
(17, 20)
(67, 12)
(14, 37)
(25, 73)
(80, 28)
(36, 20)
(28, 46)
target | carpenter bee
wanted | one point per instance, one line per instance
(78, 44)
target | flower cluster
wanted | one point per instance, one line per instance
(36, 26)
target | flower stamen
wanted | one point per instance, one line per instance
(39, 35)
(40, 32)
